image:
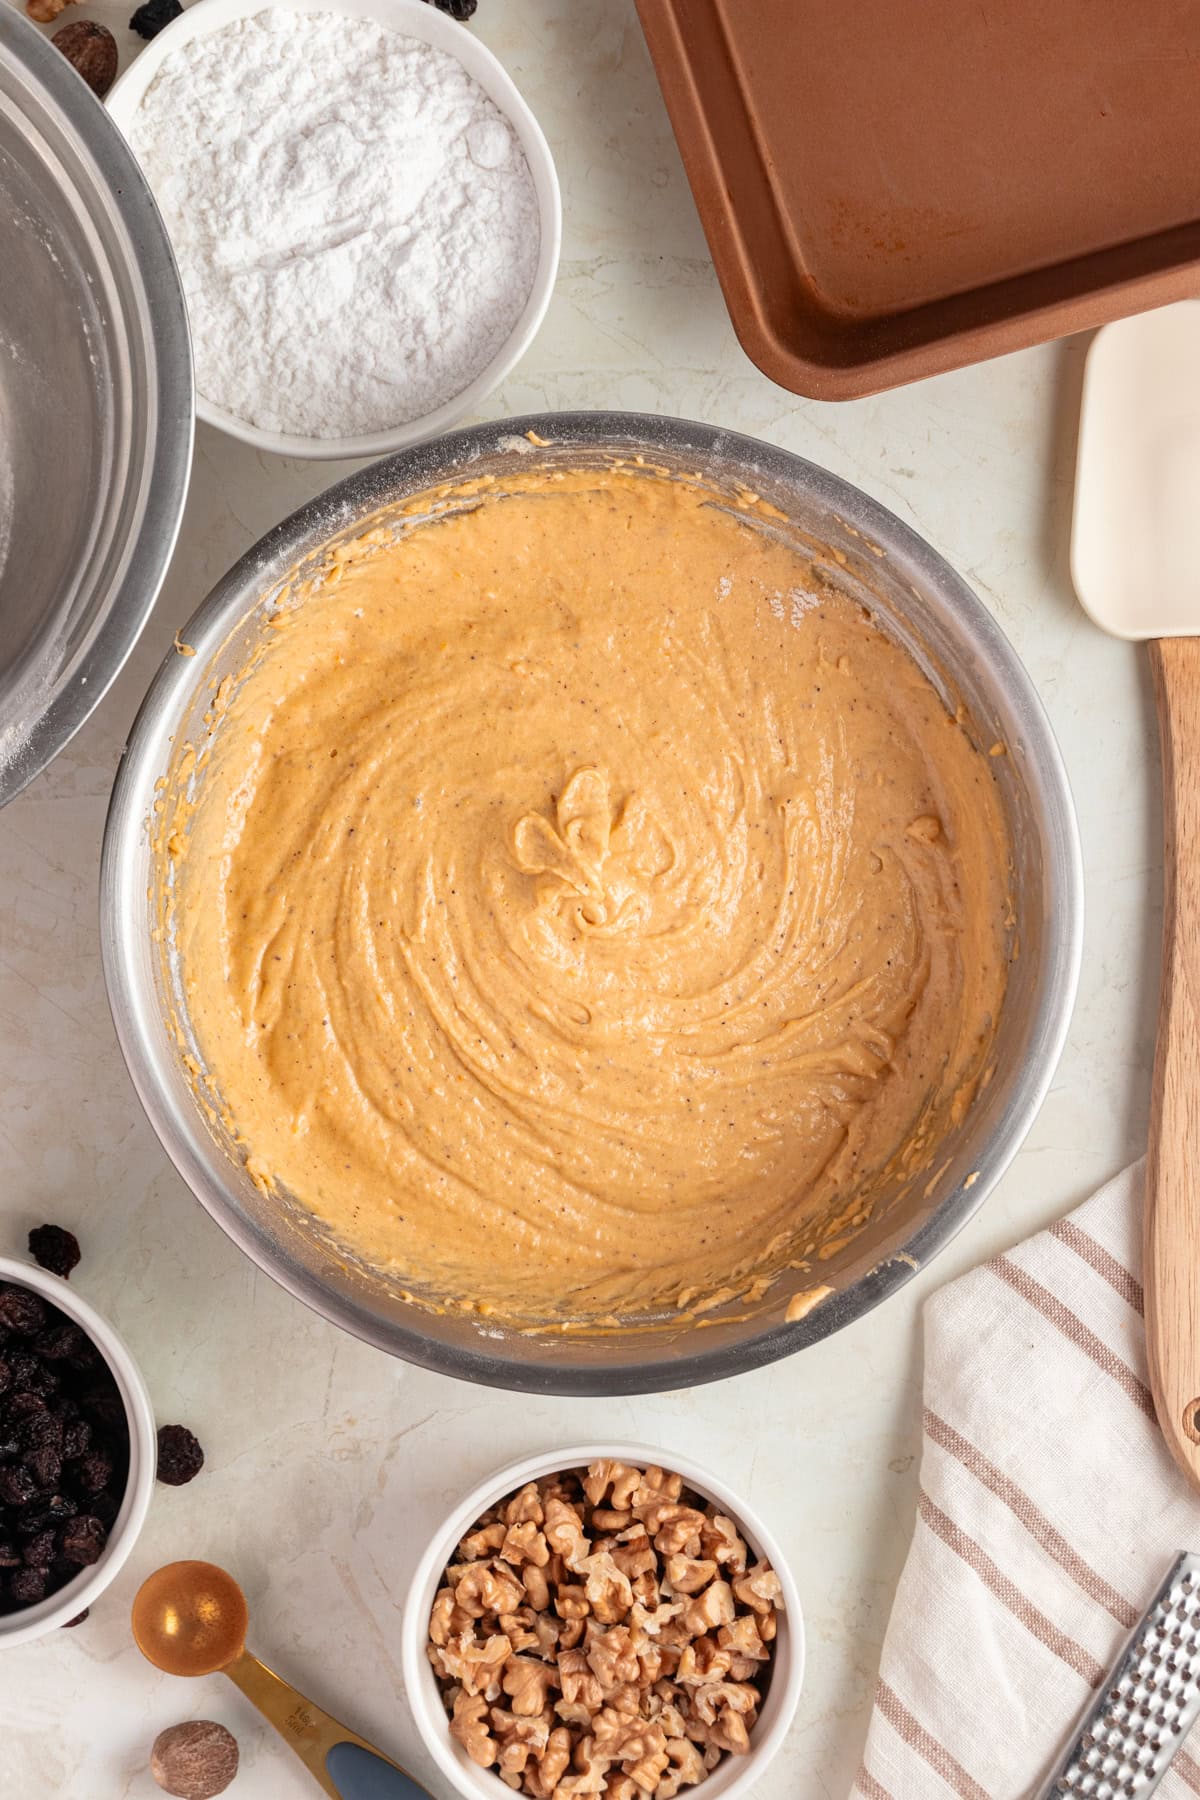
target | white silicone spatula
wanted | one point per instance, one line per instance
(1136, 562)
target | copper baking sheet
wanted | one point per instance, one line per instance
(891, 188)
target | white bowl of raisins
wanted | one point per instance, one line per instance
(77, 1453)
(605, 1620)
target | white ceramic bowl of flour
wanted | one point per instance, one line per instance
(330, 398)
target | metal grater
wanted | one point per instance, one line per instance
(1139, 1720)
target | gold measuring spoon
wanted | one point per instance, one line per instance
(190, 1619)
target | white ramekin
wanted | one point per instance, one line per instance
(48, 1615)
(414, 19)
(737, 1774)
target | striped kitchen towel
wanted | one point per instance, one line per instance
(1049, 1511)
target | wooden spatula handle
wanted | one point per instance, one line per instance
(1172, 1272)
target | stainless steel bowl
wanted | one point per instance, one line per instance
(921, 601)
(95, 402)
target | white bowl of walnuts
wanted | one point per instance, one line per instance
(605, 1620)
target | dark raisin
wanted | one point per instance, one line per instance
(78, 1619)
(41, 1430)
(50, 1245)
(28, 1586)
(86, 1357)
(43, 1513)
(180, 1457)
(150, 18)
(22, 1312)
(82, 1540)
(17, 1485)
(24, 1366)
(6, 1375)
(59, 1341)
(22, 1406)
(39, 1550)
(77, 1435)
(45, 1465)
(10, 1556)
(93, 1472)
(461, 10)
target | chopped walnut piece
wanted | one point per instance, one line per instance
(571, 1603)
(624, 1737)
(590, 1770)
(609, 1594)
(518, 1739)
(483, 1542)
(482, 1589)
(612, 1655)
(685, 1767)
(683, 1532)
(564, 1532)
(543, 1779)
(686, 1575)
(527, 1682)
(626, 1699)
(622, 1787)
(636, 1556)
(721, 1540)
(546, 1630)
(476, 1664)
(575, 1712)
(580, 1685)
(657, 1484)
(615, 1480)
(525, 1508)
(519, 1629)
(537, 1587)
(605, 1519)
(570, 1633)
(759, 1588)
(646, 1591)
(667, 1714)
(524, 1543)
(439, 1619)
(734, 1696)
(649, 1770)
(715, 1606)
(702, 1662)
(469, 1726)
(653, 1620)
(742, 1638)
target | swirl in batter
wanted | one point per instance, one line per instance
(584, 899)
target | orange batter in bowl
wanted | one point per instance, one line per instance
(583, 898)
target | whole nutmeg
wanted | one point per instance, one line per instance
(91, 50)
(194, 1761)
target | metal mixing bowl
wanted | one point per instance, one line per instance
(95, 402)
(918, 598)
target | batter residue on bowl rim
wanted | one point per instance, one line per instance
(583, 898)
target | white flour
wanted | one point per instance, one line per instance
(355, 222)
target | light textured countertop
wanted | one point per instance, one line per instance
(328, 1463)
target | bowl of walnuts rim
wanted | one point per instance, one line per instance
(541, 1704)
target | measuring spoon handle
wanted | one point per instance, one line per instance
(339, 1761)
